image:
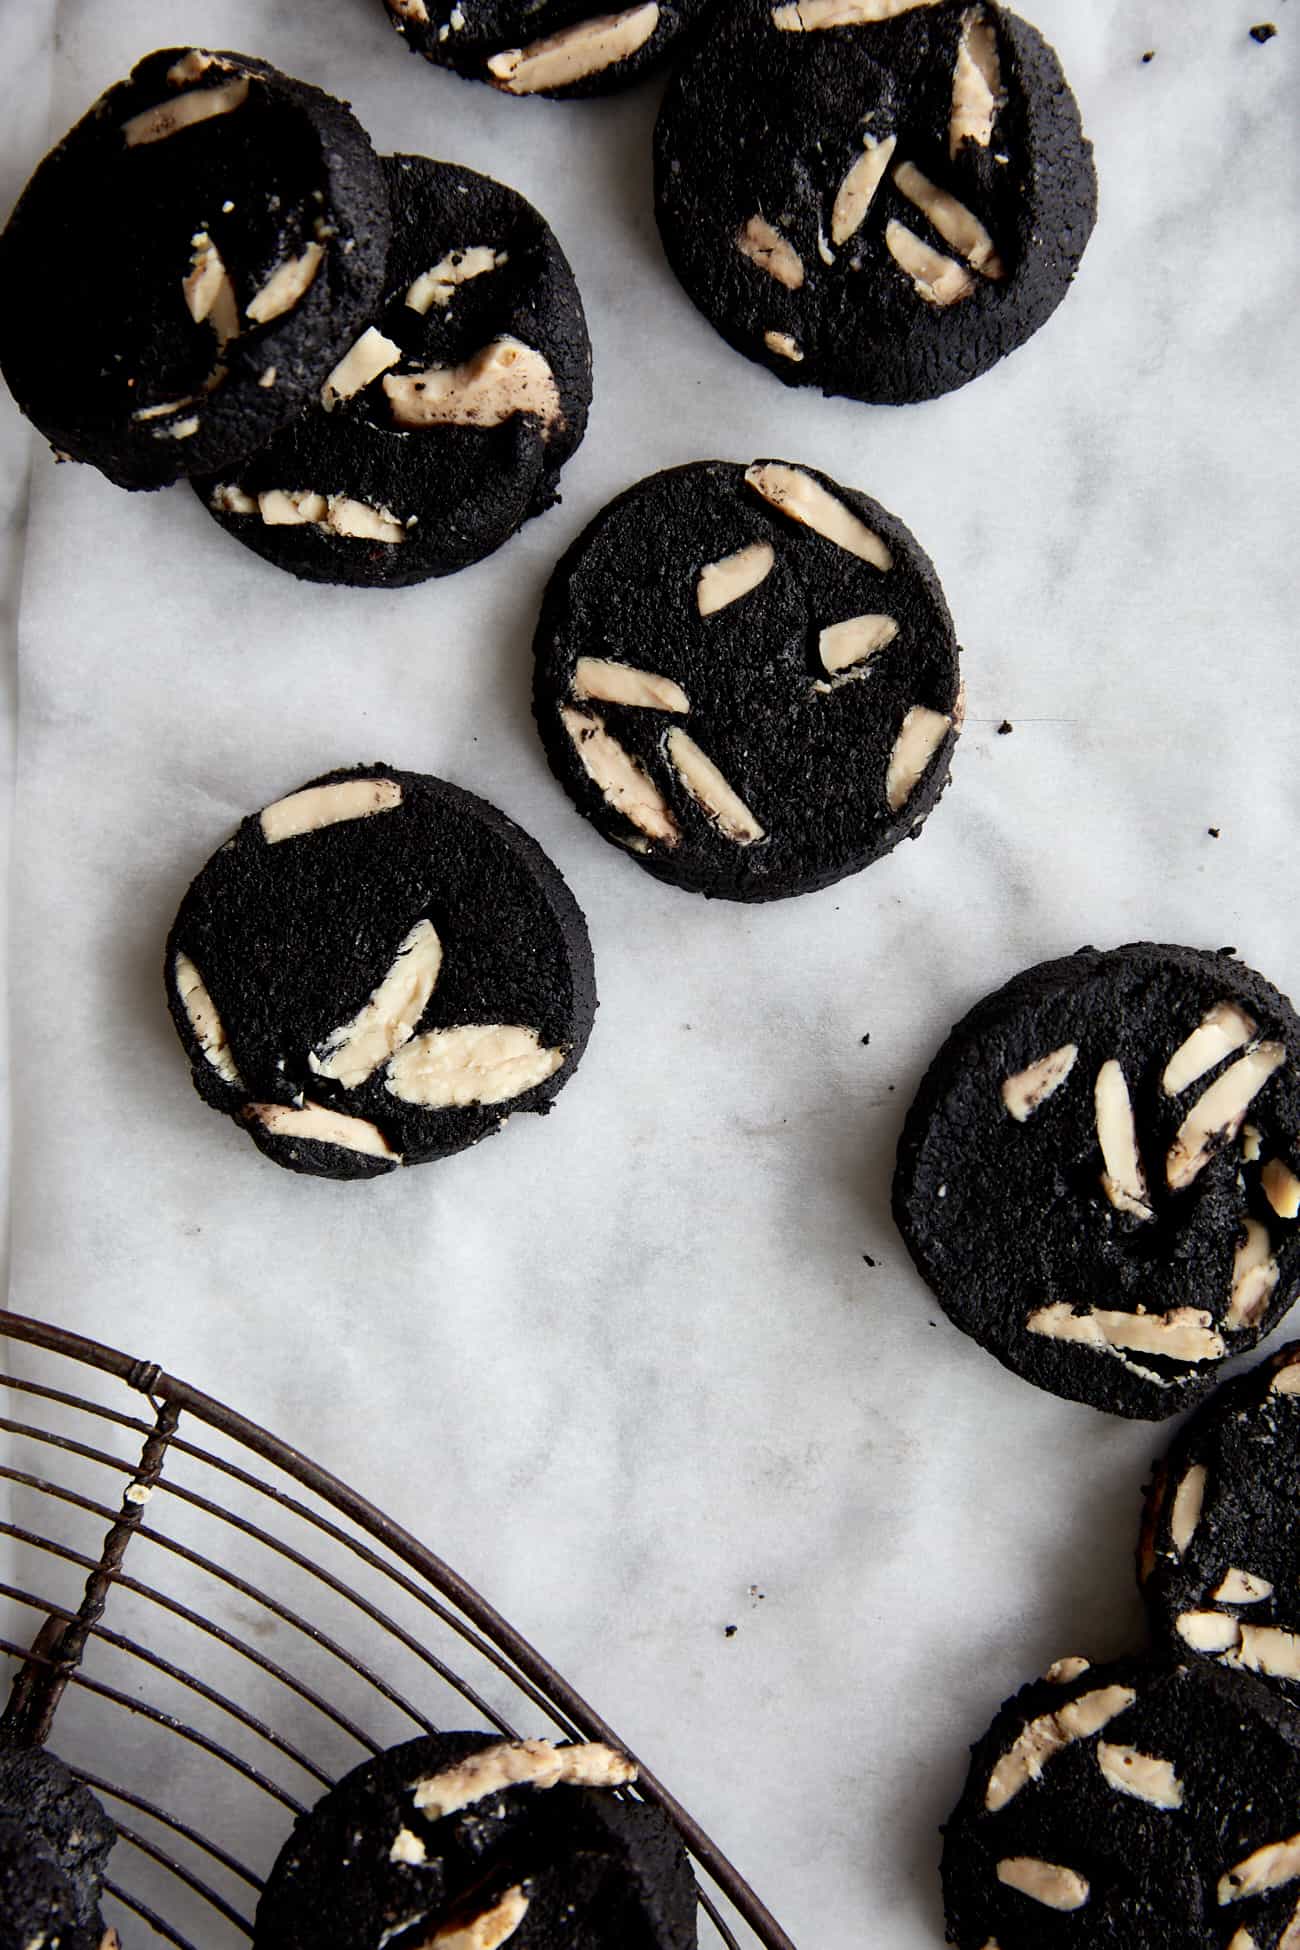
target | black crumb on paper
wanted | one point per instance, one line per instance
(866, 1039)
(1006, 728)
(1213, 832)
(729, 1631)
(867, 1260)
(1148, 57)
(756, 1596)
(1264, 32)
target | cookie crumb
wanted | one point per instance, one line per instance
(866, 1039)
(1264, 32)
(867, 1260)
(1213, 832)
(756, 1596)
(1148, 57)
(729, 1631)
(1005, 728)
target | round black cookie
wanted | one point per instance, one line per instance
(544, 47)
(1219, 1561)
(182, 272)
(378, 970)
(38, 1793)
(878, 197)
(558, 1867)
(1083, 1179)
(479, 301)
(748, 678)
(1131, 1806)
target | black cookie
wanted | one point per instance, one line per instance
(38, 1791)
(182, 272)
(368, 906)
(38, 1909)
(387, 481)
(748, 678)
(1220, 1555)
(1129, 1806)
(459, 1828)
(1081, 1179)
(543, 47)
(878, 197)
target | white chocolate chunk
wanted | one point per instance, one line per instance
(1217, 1114)
(1044, 1882)
(514, 1763)
(1281, 1188)
(407, 1848)
(1183, 1334)
(504, 378)
(1254, 1276)
(842, 645)
(339, 513)
(919, 738)
(1141, 1775)
(956, 224)
(588, 47)
(614, 683)
(623, 779)
(763, 244)
(1189, 1500)
(1209, 1631)
(287, 285)
(1268, 1649)
(481, 1063)
(315, 1123)
(792, 492)
(711, 791)
(437, 286)
(388, 1019)
(325, 805)
(938, 279)
(1028, 1088)
(487, 1930)
(1123, 1180)
(806, 16)
(1062, 1671)
(857, 191)
(976, 83)
(784, 346)
(371, 355)
(208, 290)
(725, 582)
(1242, 1588)
(1042, 1739)
(199, 105)
(1268, 1868)
(207, 1025)
(1225, 1029)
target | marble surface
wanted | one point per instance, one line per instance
(634, 1365)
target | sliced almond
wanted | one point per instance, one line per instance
(1281, 1188)
(795, 494)
(1268, 1649)
(1062, 1671)
(976, 83)
(1217, 1115)
(1183, 1334)
(481, 1063)
(437, 286)
(807, 16)
(1189, 1500)
(208, 290)
(1242, 1588)
(710, 790)
(624, 781)
(286, 287)
(339, 513)
(940, 280)
(504, 378)
(371, 355)
(315, 1124)
(784, 346)
(763, 244)
(921, 734)
(1209, 1631)
(725, 582)
(487, 1931)
(1044, 1882)
(588, 47)
(956, 224)
(1123, 1180)
(325, 805)
(516, 1763)
(857, 191)
(209, 1031)
(230, 499)
(1028, 1088)
(1267, 1868)
(1254, 1276)
(1141, 1775)
(841, 646)
(614, 683)
(1040, 1740)
(183, 111)
(388, 1019)
(1287, 1379)
(1225, 1029)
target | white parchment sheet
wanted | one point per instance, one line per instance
(622, 1365)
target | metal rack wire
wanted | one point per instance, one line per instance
(273, 1630)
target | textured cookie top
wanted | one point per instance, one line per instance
(184, 269)
(543, 47)
(1130, 1806)
(1087, 1178)
(748, 678)
(378, 969)
(876, 198)
(469, 1842)
(37, 1790)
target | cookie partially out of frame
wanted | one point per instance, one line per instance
(1129, 1807)
(378, 969)
(39, 1792)
(445, 425)
(881, 198)
(1220, 1555)
(1089, 1176)
(186, 267)
(543, 47)
(469, 1842)
(748, 679)
(38, 1904)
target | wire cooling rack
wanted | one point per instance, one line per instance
(263, 1627)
